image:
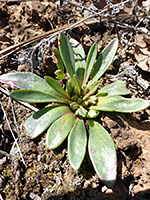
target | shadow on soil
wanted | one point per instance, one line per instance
(120, 192)
(123, 118)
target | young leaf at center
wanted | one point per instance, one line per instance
(56, 86)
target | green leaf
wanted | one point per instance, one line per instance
(92, 89)
(59, 62)
(116, 88)
(102, 153)
(81, 111)
(59, 74)
(104, 60)
(93, 113)
(90, 62)
(79, 56)
(56, 86)
(120, 104)
(67, 54)
(69, 87)
(39, 121)
(77, 140)
(59, 130)
(76, 84)
(28, 80)
(33, 96)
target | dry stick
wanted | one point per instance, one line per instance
(124, 25)
(14, 116)
(142, 60)
(14, 48)
(56, 31)
(13, 112)
(5, 153)
(15, 140)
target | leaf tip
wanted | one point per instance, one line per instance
(59, 42)
(110, 184)
(29, 137)
(49, 149)
(9, 82)
(112, 42)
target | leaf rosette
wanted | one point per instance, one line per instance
(78, 104)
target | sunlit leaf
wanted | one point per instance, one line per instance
(39, 121)
(59, 130)
(90, 62)
(104, 60)
(81, 111)
(28, 80)
(120, 104)
(93, 113)
(116, 88)
(102, 153)
(77, 144)
(67, 54)
(79, 56)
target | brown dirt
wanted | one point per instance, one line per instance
(48, 174)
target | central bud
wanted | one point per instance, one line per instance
(80, 105)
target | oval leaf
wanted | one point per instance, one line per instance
(27, 80)
(120, 104)
(33, 96)
(77, 140)
(56, 86)
(104, 60)
(102, 153)
(90, 62)
(116, 88)
(39, 121)
(59, 130)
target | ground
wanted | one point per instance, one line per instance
(47, 174)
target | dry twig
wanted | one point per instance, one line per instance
(15, 140)
(53, 33)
